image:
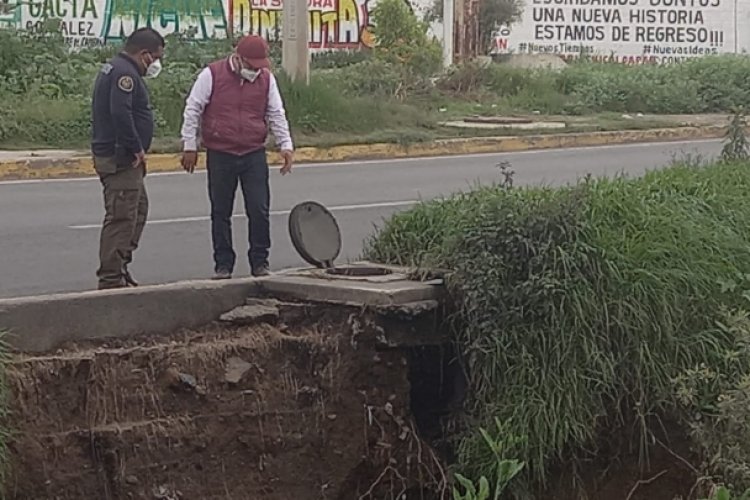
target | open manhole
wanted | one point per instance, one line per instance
(316, 236)
(359, 271)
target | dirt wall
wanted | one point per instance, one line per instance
(303, 406)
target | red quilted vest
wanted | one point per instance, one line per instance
(234, 121)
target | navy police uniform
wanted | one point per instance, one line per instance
(122, 126)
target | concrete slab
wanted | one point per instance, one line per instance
(44, 323)
(366, 293)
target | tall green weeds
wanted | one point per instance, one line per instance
(577, 308)
(736, 144)
(398, 86)
(5, 421)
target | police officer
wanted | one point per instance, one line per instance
(122, 130)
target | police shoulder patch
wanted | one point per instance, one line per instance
(125, 83)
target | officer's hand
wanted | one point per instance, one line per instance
(288, 157)
(189, 160)
(140, 159)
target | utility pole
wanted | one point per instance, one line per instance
(459, 13)
(448, 32)
(295, 56)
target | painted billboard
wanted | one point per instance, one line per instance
(628, 31)
(9, 13)
(334, 24)
(93, 22)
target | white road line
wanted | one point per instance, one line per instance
(335, 208)
(385, 162)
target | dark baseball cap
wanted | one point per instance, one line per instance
(254, 50)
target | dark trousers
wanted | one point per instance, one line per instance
(225, 171)
(126, 210)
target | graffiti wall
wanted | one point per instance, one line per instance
(9, 14)
(334, 24)
(93, 22)
(629, 31)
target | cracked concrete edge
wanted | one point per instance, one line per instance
(45, 323)
(72, 166)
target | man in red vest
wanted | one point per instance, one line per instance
(234, 101)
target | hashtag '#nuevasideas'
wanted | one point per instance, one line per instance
(647, 49)
(522, 47)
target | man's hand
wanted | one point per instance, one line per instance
(189, 160)
(288, 157)
(140, 159)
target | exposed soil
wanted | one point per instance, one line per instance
(665, 472)
(313, 410)
(308, 405)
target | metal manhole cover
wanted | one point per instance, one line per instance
(315, 234)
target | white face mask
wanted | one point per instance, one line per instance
(153, 69)
(249, 74)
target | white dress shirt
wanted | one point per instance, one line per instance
(200, 96)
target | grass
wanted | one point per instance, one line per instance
(577, 308)
(5, 430)
(357, 97)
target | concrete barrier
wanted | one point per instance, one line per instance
(44, 323)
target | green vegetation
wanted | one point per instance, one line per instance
(504, 470)
(736, 144)
(392, 93)
(492, 13)
(588, 312)
(5, 430)
(723, 493)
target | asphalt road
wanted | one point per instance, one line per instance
(49, 230)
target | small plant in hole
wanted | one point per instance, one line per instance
(504, 469)
(736, 144)
(723, 493)
(506, 170)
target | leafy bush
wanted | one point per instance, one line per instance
(504, 469)
(339, 59)
(5, 430)
(715, 398)
(50, 89)
(320, 107)
(736, 144)
(50, 86)
(722, 493)
(576, 308)
(402, 38)
(710, 84)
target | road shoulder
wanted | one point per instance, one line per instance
(47, 164)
